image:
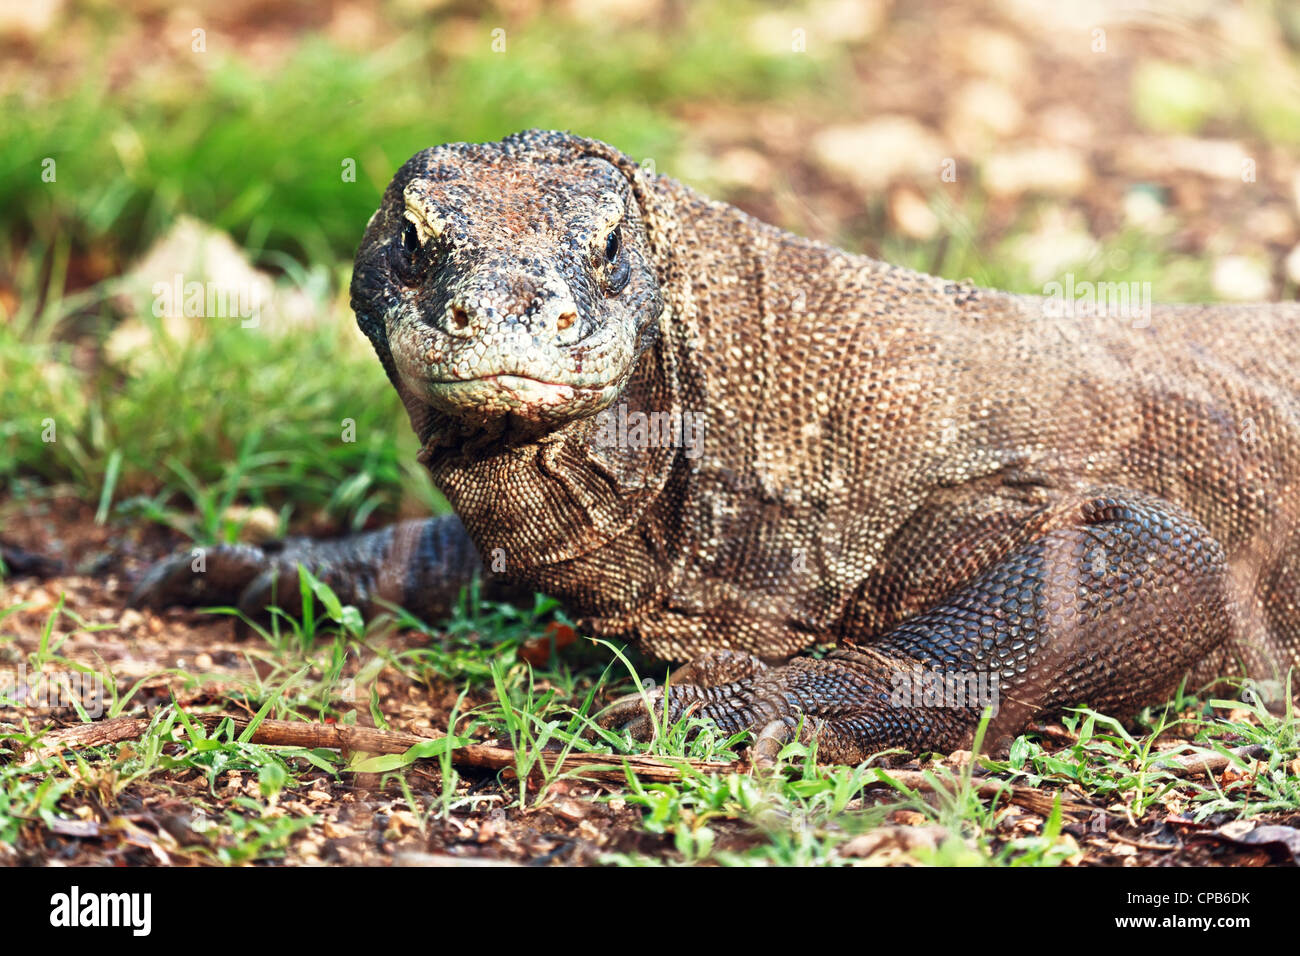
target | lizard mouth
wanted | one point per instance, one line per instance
(489, 396)
(522, 386)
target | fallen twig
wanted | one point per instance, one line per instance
(1195, 765)
(371, 740)
(1036, 801)
(1140, 844)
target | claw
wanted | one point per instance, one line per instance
(777, 704)
(769, 743)
(638, 698)
(633, 712)
(717, 668)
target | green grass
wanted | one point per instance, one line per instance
(1114, 765)
(232, 418)
(321, 663)
(259, 152)
(237, 415)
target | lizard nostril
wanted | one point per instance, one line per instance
(459, 317)
(565, 320)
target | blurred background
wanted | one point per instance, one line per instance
(244, 144)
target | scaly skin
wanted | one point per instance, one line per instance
(941, 480)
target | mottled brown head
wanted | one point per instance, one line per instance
(509, 287)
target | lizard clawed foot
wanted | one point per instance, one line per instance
(845, 704)
(806, 698)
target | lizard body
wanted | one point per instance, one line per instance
(936, 478)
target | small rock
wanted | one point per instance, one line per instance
(745, 168)
(995, 54)
(871, 155)
(981, 113)
(1055, 170)
(911, 215)
(817, 28)
(416, 858)
(911, 818)
(959, 758)
(900, 839)
(255, 524)
(1158, 157)
(1241, 279)
(1066, 123)
(570, 810)
(847, 21)
(1060, 243)
(28, 20)
(130, 619)
(196, 275)
(1293, 265)
(1144, 209)
(203, 661)
(611, 11)
(333, 831)
(1271, 222)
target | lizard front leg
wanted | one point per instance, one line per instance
(420, 565)
(1111, 608)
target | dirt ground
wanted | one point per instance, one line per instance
(198, 660)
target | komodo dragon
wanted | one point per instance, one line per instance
(731, 444)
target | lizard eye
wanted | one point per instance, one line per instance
(405, 256)
(410, 239)
(620, 270)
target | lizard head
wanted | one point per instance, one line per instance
(509, 286)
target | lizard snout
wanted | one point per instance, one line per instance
(488, 306)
